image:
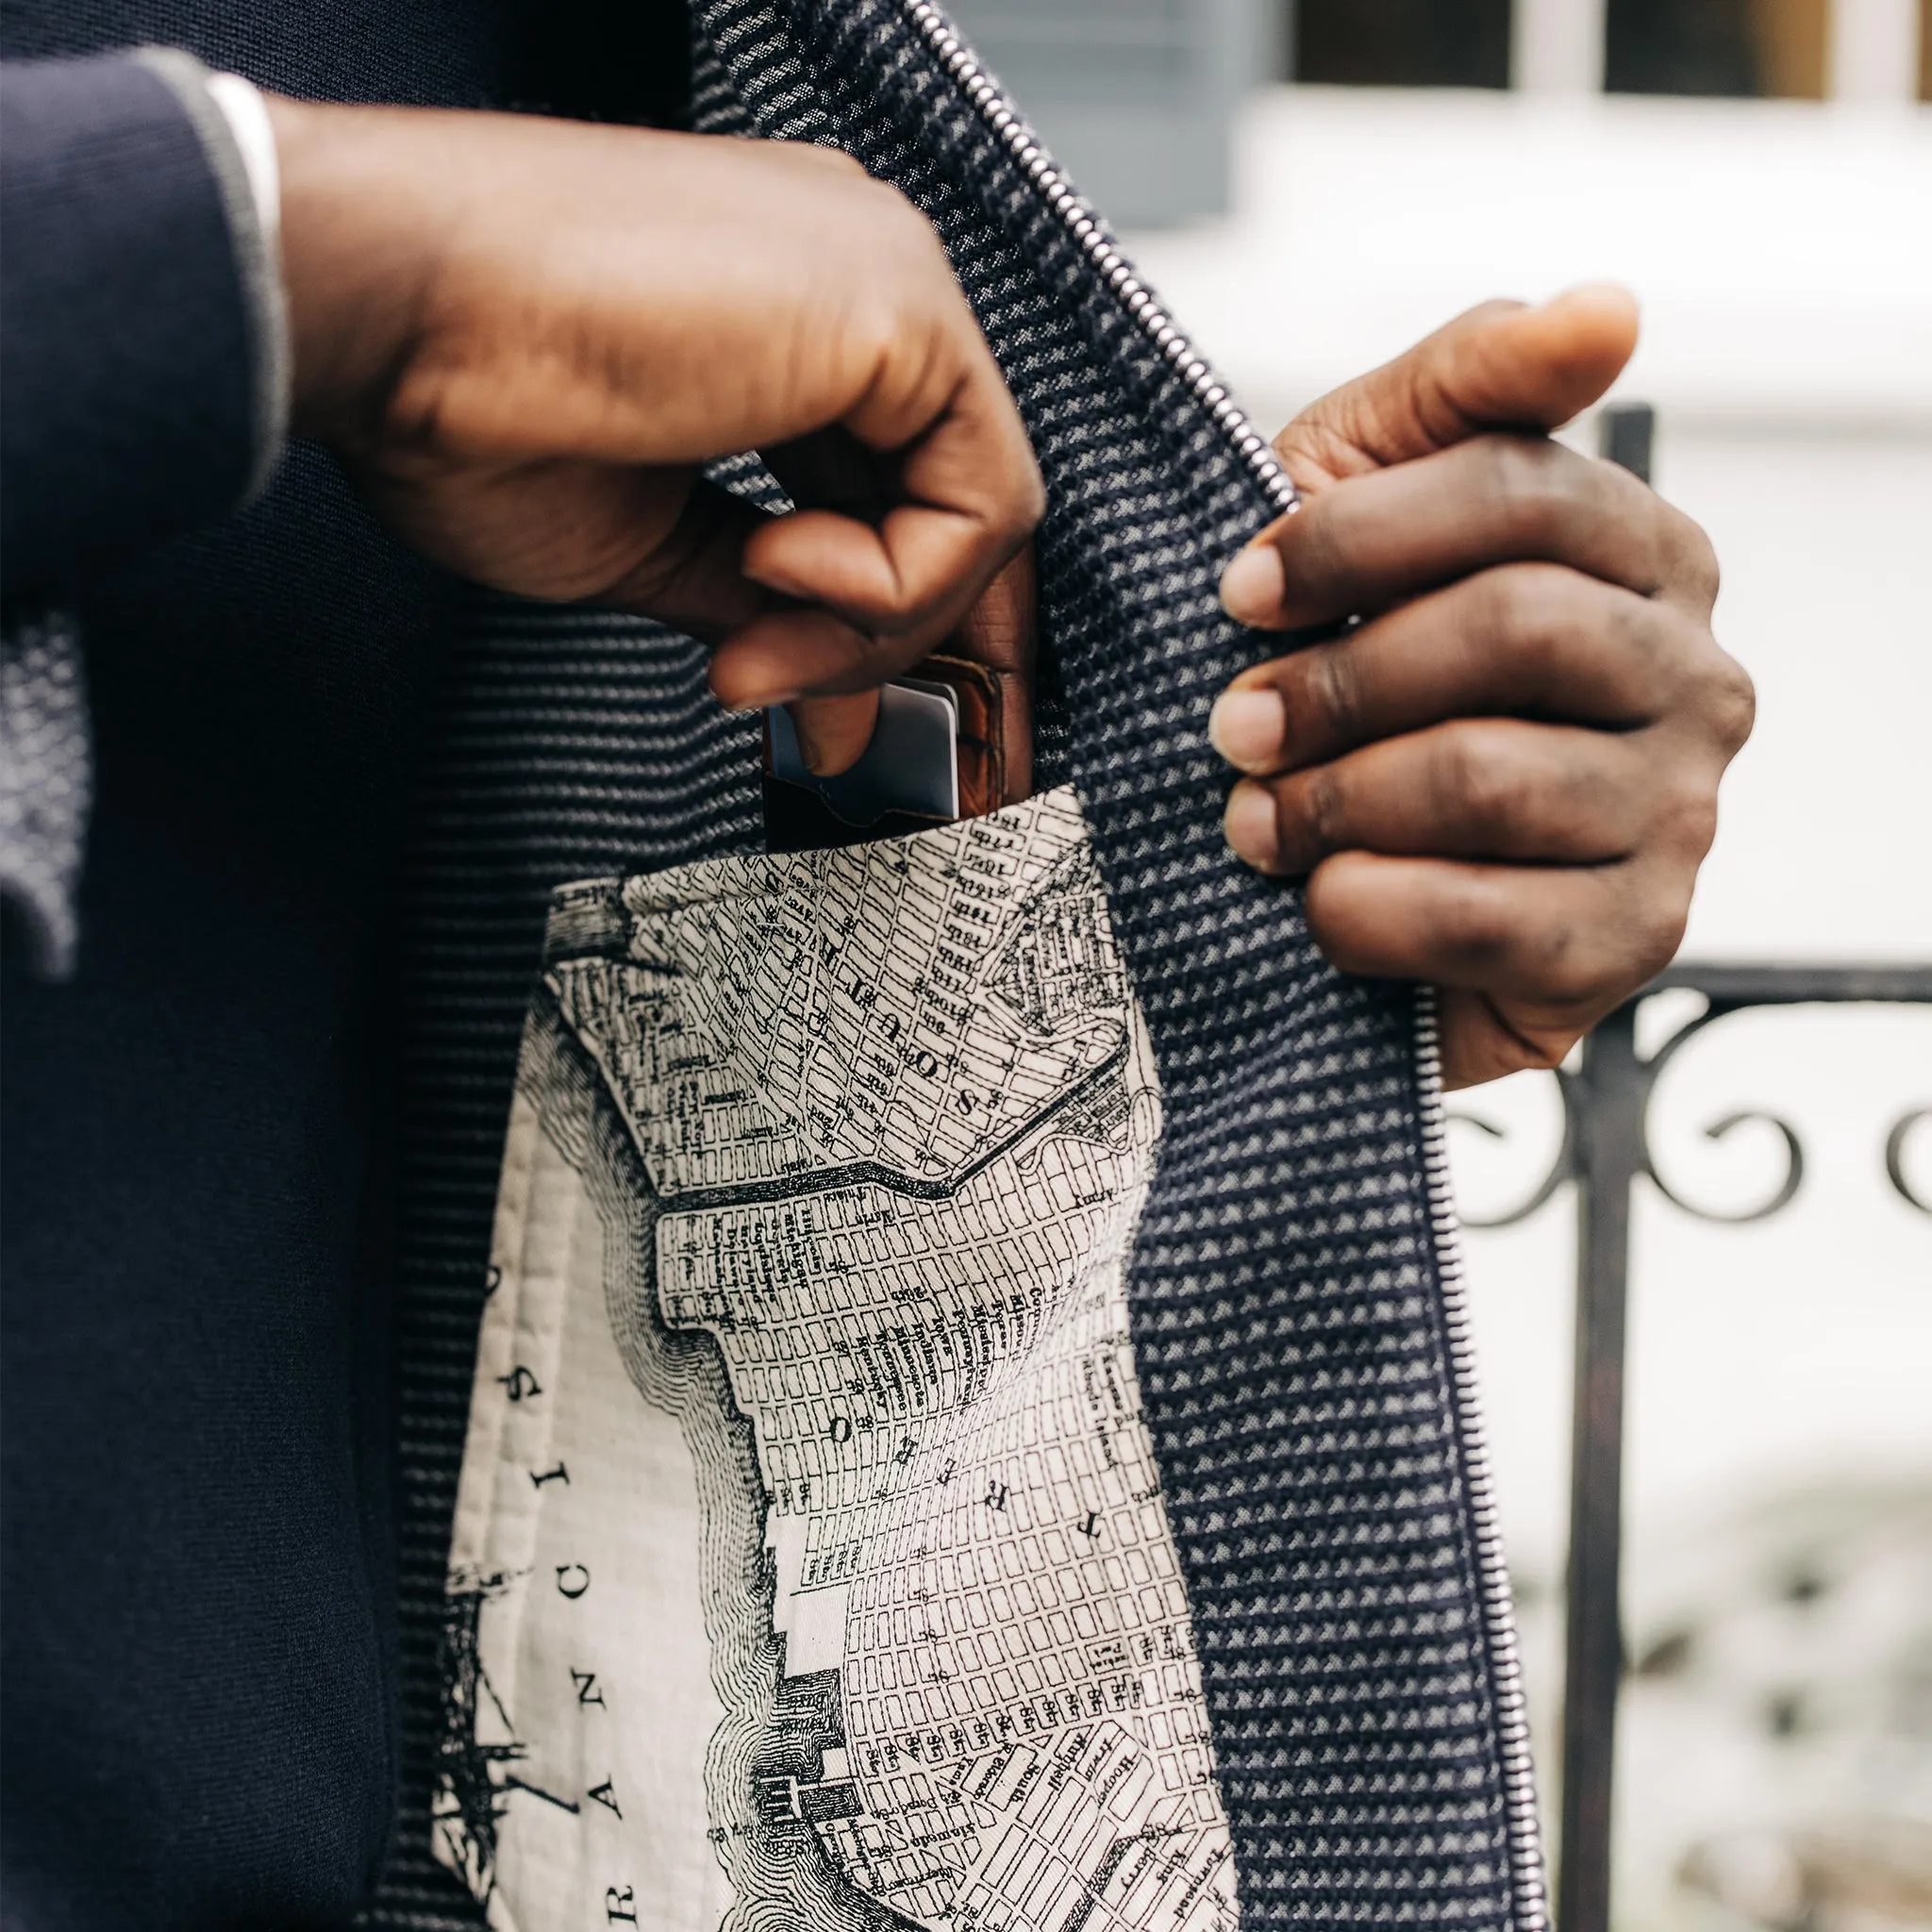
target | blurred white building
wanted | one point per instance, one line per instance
(1780, 1387)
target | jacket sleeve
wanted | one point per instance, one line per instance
(141, 340)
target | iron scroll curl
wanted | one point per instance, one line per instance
(1895, 1159)
(1578, 1122)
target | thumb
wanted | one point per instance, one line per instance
(1503, 365)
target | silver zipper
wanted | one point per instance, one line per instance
(1529, 1910)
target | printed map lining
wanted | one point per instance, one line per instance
(810, 1565)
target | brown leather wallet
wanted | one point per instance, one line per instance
(994, 690)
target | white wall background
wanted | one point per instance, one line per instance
(1783, 252)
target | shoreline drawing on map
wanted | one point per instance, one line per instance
(810, 1269)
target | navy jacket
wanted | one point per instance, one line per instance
(198, 1661)
(200, 1269)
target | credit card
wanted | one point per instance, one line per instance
(938, 691)
(911, 765)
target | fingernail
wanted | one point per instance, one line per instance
(1253, 584)
(1250, 827)
(1247, 727)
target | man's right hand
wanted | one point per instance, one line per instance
(526, 337)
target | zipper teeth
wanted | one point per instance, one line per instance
(1499, 1614)
(1513, 1723)
(1080, 220)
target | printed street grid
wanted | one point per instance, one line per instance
(895, 1111)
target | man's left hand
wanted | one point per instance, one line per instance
(1505, 779)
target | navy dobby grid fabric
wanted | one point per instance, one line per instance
(1289, 1319)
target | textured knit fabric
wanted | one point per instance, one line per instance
(194, 1331)
(46, 784)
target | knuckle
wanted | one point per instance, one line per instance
(1644, 637)
(1531, 621)
(1479, 781)
(1639, 521)
(1588, 965)
(1704, 686)
(1692, 816)
(1655, 931)
(1324, 801)
(1572, 967)
(1507, 621)
(1537, 487)
(1475, 923)
(1571, 949)
(1577, 958)
(1509, 468)
(1731, 703)
(1695, 571)
(1557, 504)
(1685, 807)
(1334, 694)
(1599, 791)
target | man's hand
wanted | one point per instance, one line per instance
(526, 337)
(1505, 779)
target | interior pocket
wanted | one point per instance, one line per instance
(810, 1558)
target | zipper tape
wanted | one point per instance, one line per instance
(1530, 1908)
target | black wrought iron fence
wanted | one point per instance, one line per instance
(1605, 1149)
